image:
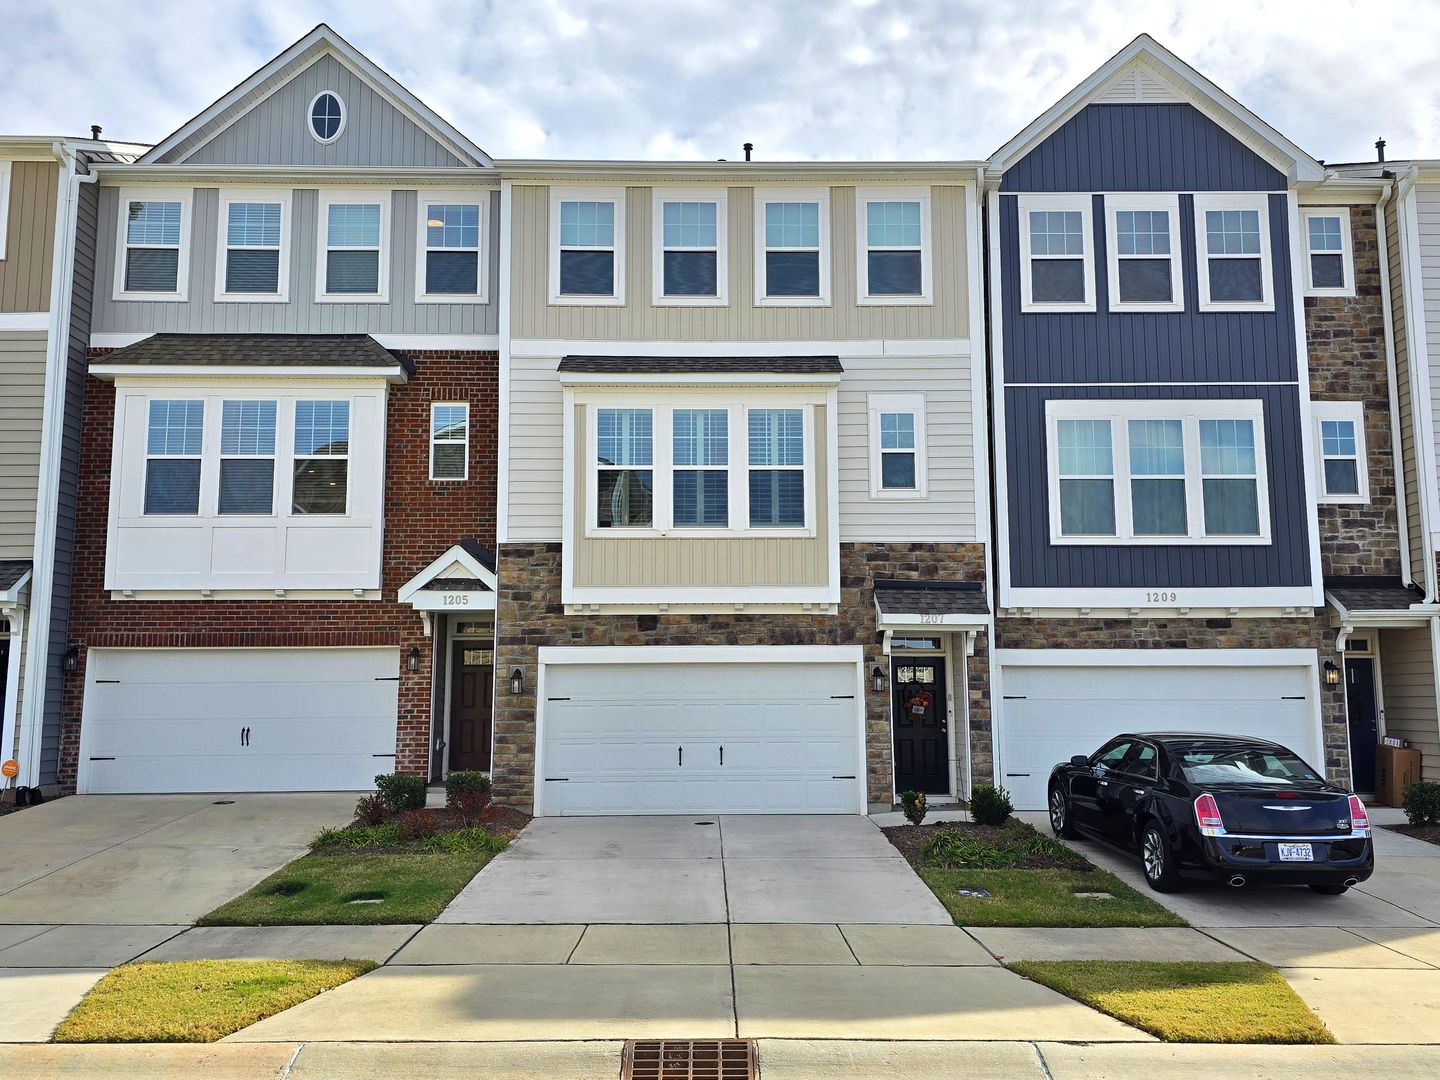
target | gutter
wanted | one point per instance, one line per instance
(1397, 445)
(52, 452)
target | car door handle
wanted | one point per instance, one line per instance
(1138, 790)
(1102, 783)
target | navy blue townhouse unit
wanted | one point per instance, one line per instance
(1157, 539)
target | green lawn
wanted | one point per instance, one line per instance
(1045, 898)
(197, 1000)
(1187, 1002)
(320, 890)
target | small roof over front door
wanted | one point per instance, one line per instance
(462, 579)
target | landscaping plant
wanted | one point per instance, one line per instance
(416, 825)
(467, 793)
(1422, 803)
(400, 791)
(990, 805)
(913, 803)
(371, 810)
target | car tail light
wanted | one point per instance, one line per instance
(1207, 816)
(1359, 819)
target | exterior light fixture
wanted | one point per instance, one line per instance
(412, 661)
(72, 658)
(517, 682)
(1332, 674)
(877, 679)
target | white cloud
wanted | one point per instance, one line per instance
(696, 78)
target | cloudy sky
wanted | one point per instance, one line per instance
(841, 79)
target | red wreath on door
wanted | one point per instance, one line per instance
(919, 702)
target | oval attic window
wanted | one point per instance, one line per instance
(327, 117)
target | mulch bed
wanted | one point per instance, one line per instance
(909, 839)
(1429, 833)
(503, 821)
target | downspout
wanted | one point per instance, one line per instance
(1397, 445)
(52, 452)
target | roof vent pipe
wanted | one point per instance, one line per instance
(749, 146)
(95, 132)
(1380, 150)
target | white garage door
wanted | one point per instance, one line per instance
(1050, 713)
(238, 719)
(700, 738)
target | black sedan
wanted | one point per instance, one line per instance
(1222, 807)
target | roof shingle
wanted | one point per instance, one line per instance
(930, 597)
(359, 351)
(11, 571)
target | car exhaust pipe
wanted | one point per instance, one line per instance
(1351, 881)
(1237, 881)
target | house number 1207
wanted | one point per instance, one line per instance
(1160, 598)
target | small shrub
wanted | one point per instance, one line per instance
(371, 810)
(470, 805)
(417, 825)
(913, 803)
(401, 791)
(465, 782)
(990, 805)
(1422, 802)
(950, 849)
(470, 841)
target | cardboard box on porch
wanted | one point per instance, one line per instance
(1396, 769)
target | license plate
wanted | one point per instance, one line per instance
(1296, 852)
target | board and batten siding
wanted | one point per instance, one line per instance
(1419, 550)
(680, 561)
(202, 314)
(533, 316)
(1408, 671)
(30, 241)
(1427, 213)
(22, 406)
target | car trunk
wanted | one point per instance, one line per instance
(1252, 812)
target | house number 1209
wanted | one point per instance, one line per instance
(1160, 598)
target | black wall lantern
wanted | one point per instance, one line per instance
(72, 658)
(877, 679)
(412, 661)
(517, 682)
(1332, 674)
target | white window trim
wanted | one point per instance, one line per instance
(765, 196)
(296, 456)
(914, 404)
(615, 195)
(207, 413)
(863, 197)
(1057, 202)
(1346, 253)
(1353, 411)
(1190, 412)
(662, 465)
(5, 175)
(721, 198)
(471, 196)
(465, 473)
(336, 196)
(310, 112)
(1238, 200)
(1114, 205)
(184, 197)
(214, 451)
(222, 245)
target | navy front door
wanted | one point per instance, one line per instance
(1364, 723)
(922, 745)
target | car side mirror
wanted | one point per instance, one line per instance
(1079, 761)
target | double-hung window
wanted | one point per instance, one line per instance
(354, 257)
(247, 457)
(1232, 238)
(1143, 237)
(175, 437)
(892, 241)
(1056, 253)
(587, 256)
(897, 446)
(777, 468)
(152, 258)
(322, 453)
(1157, 472)
(792, 247)
(1329, 262)
(1340, 442)
(449, 441)
(252, 262)
(451, 246)
(625, 468)
(689, 264)
(700, 468)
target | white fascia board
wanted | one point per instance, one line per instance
(1194, 602)
(10, 598)
(728, 596)
(127, 373)
(455, 554)
(115, 174)
(27, 322)
(629, 380)
(549, 348)
(1154, 657)
(917, 621)
(736, 172)
(439, 342)
(701, 654)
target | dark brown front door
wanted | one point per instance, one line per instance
(922, 747)
(472, 686)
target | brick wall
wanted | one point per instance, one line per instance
(423, 518)
(1346, 341)
(530, 614)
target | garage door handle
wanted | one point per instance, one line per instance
(680, 752)
(102, 759)
(722, 755)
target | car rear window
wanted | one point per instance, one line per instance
(1263, 768)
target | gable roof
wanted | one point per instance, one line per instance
(1145, 72)
(475, 562)
(176, 147)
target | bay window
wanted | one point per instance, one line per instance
(625, 475)
(174, 445)
(701, 475)
(322, 451)
(777, 467)
(247, 457)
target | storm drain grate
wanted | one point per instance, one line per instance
(693, 1059)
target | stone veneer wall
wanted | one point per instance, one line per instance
(1345, 337)
(530, 615)
(1137, 634)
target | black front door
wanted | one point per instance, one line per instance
(1364, 723)
(922, 747)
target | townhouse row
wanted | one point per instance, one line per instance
(332, 446)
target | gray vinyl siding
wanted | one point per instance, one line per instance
(1408, 676)
(275, 131)
(30, 237)
(1409, 459)
(201, 313)
(639, 319)
(1427, 212)
(22, 400)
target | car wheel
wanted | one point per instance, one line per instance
(1157, 859)
(1060, 814)
(1331, 890)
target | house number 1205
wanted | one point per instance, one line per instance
(457, 600)
(1160, 598)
